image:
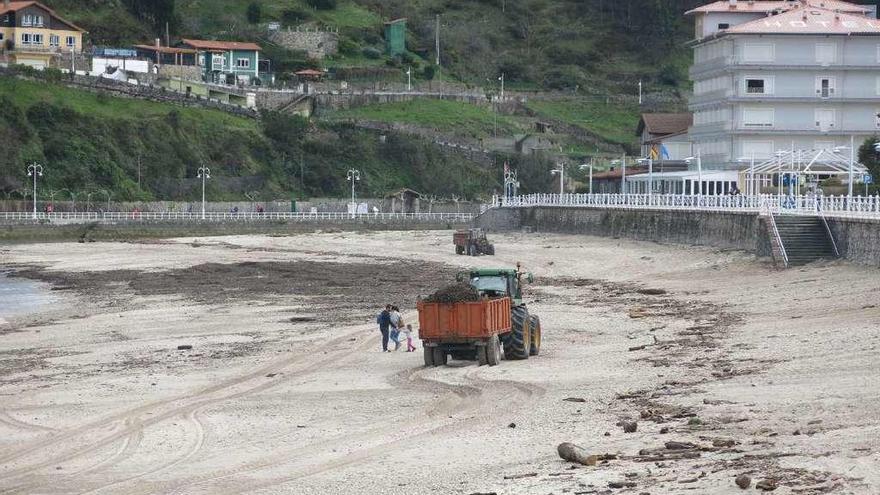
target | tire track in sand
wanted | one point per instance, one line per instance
(468, 397)
(159, 411)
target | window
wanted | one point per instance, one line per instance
(217, 62)
(71, 41)
(54, 40)
(825, 119)
(1, 36)
(758, 52)
(31, 39)
(758, 85)
(243, 63)
(38, 21)
(757, 149)
(27, 20)
(825, 87)
(758, 117)
(877, 120)
(723, 25)
(826, 53)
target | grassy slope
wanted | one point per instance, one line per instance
(28, 94)
(614, 123)
(453, 117)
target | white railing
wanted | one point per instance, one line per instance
(245, 217)
(831, 206)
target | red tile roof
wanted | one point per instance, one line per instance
(221, 45)
(809, 20)
(766, 6)
(16, 6)
(665, 123)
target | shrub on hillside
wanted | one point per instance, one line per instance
(254, 13)
(322, 4)
(372, 53)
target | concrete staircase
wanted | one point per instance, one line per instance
(805, 239)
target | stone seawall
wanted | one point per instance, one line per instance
(743, 231)
(858, 240)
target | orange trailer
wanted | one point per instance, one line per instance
(466, 330)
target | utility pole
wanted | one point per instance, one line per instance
(409, 78)
(640, 91)
(34, 170)
(167, 35)
(139, 170)
(204, 174)
(623, 176)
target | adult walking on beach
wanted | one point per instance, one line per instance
(384, 321)
(396, 326)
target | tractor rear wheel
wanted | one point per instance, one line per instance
(493, 351)
(536, 335)
(429, 356)
(490, 249)
(440, 356)
(517, 345)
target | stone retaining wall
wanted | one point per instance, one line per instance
(858, 240)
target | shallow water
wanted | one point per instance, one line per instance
(21, 296)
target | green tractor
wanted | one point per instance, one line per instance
(524, 338)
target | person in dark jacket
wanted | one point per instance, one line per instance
(384, 321)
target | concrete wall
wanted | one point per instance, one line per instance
(743, 231)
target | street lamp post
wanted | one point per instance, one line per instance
(502, 86)
(34, 170)
(353, 176)
(650, 162)
(409, 78)
(589, 166)
(561, 172)
(204, 174)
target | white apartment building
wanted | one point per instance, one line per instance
(777, 75)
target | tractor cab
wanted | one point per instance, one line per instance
(494, 283)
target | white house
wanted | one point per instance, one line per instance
(782, 75)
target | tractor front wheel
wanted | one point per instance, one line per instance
(535, 324)
(490, 249)
(518, 343)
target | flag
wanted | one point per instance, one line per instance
(654, 154)
(664, 152)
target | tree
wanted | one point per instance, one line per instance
(869, 157)
(254, 13)
(429, 72)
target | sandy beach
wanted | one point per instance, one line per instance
(252, 364)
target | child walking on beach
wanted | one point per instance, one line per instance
(409, 343)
